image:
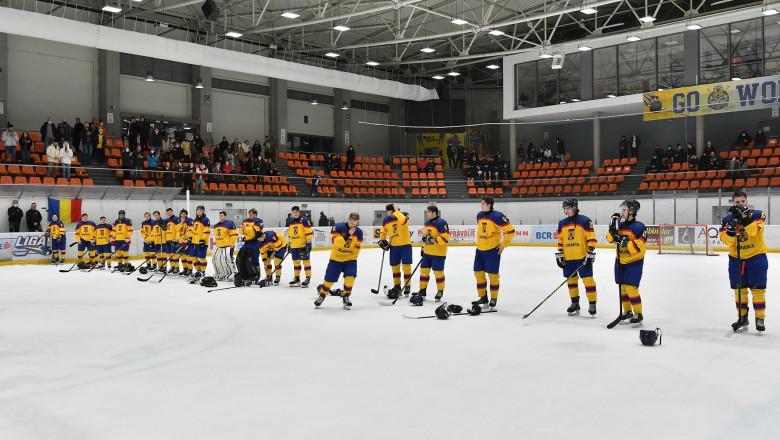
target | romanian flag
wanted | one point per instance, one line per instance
(68, 210)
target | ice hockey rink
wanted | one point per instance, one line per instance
(103, 356)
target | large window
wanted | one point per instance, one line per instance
(671, 61)
(605, 72)
(570, 85)
(525, 84)
(747, 48)
(772, 47)
(546, 83)
(636, 67)
(713, 54)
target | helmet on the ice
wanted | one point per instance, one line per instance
(649, 337)
(442, 312)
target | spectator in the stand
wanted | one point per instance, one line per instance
(152, 158)
(561, 147)
(33, 218)
(227, 170)
(351, 158)
(222, 147)
(179, 175)
(77, 134)
(186, 148)
(693, 162)
(177, 152)
(25, 147)
(10, 141)
(680, 154)
(156, 140)
(709, 149)
(623, 147)
(88, 145)
(744, 139)
(732, 166)
(422, 164)
(452, 151)
(100, 145)
(634, 144)
(167, 175)
(257, 149)
(690, 150)
(53, 159)
(133, 131)
(188, 175)
(15, 214)
(743, 168)
(520, 153)
(656, 164)
(66, 158)
(532, 154)
(127, 159)
(548, 156)
(200, 177)
(659, 151)
(670, 152)
(64, 131)
(269, 145)
(315, 182)
(197, 145)
(323, 219)
(760, 139)
(216, 171)
(461, 155)
(138, 161)
(716, 162)
(49, 131)
(143, 132)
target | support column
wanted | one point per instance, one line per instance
(278, 112)
(201, 103)
(108, 92)
(700, 141)
(586, 76)
(3, 80)
(397, 134)
(691, 59)
(512, 146)
(342, 120)
(596, 139)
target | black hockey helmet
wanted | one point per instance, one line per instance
(442, 312)
(454, 308)
(208, 282)
(632, 205)
(571, 203)
(649, 337)
(416, 300)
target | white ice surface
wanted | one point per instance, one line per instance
(102, 356)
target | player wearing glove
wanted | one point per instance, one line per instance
(577, 245)
(273, 246)
(225, 239)
(146, 238)
(184, 236)
(104, 235)
(123, 232)
(347, 238)
(301, 233)
(56, 231)
(629, 235)
(742, 230)
(436, 237)
(85, 234)
(395, 237)
(201, 233)
(494, 233)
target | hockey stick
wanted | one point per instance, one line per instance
(617, 320)
(140, 265)
(109, 259)
(381, 269)
(178, 251)
(735, 327)
(74, 264)
(556, 289)
(454, 314)
(411, 276)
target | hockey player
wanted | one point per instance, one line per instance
(225, 238)
(183, 234)
(742, 230)
(629, 235)
(146, 237)
(158, 236)
(577, 247)
(395, 237)
(301, 233)
(123, 232)
(201, 232)
(251, 228)
(56, 231)
(494, 233)
(347, 239)
(104, 235)
(85, 234)
(436, 237)
(171, 244)
(273, 245)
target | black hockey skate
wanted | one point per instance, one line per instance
(592, 309)
(574, 309)
(394, 293)
(296, 282)
(161, 269)
(760, 325)
(741, 324)
(636, 321)
(346, 302)
(416, 300)
(319, 300)
(306, 282)
(175, 270)
(492, 304)
(480, 301)
(277, 281)
(438, 296)
(408, 290)
(626, 317)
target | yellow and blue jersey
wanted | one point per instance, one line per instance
(575, 237)
(251, 228)
(184, 229)
(170, 228)
(146, 230)
(345, 249)
(300, 232)
(123, 229)
(751, 237)
(440, 231)
(490, 226)
(157, 232)
(201, 230)
(104, 233)
(273, 241)
(636, 232)
(225, 234)
(395, 229)
(85, 230)
(56, 230)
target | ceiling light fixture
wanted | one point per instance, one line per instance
(495, 32)
(199, 84)
(492, 66)
(344, 105)
(770, 11)
(611, 96)
(575, 100)
(332, 55)
(584, 47)
(736, 78)
(438, 77)
(458, 21)
(233, 34)
(341, 28)
(114, 9)
(314, 102)
(290, 14)
(633, 38)
(693, 27)
(428, 50)
(453, 73)
(588, 10)
(647, 19)
(371, 63)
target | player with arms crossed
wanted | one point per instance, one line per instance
(742, 230)
(436, 237)
(629, 235)
(104, 235)
(85, 234)
(347, 239)
(123, 232)
(577, 249)
(56, 231)
(301, 233)
(395, 237)
(225, 238)
(494, 233)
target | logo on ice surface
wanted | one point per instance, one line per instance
(30, 244)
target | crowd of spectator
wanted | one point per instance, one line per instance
(542, 154)
(486, 171)
(32, 218)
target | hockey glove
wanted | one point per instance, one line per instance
(622, 240)
(559, 260)
(746, 215)
(428, 239)
(613, 224)
(731, 228)
(590, 258)
(308, 248)
(384, 245)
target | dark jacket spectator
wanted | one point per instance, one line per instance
(65, 131)
(744, 139)
(351, 158)
(680, 155)
(561, 147)
(461, 155)
(127, 159)
(78, 134)
(634, 144)
(49, 132)
(156, 140)
(623, 147)
(760, 140)
(197, 145)
(167, 176)
(33, 218)
(25, 146)
(315, 182)
(323, 220)
(15, 215)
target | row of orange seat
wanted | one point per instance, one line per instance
(573, 181)
(490, 191)
(35, 170)
(225, 188)
(755, 153)
(354, 182)
(568, 172)
(564, 189)
(714, 184)
(36, 180)
(554, 165)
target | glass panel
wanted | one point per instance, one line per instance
(636, 67)
(570, 81)
(604, 72)
(713, 54)
(746, 49)
(671, 61)
(546, 83)
(525, 85)
(772, 47)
